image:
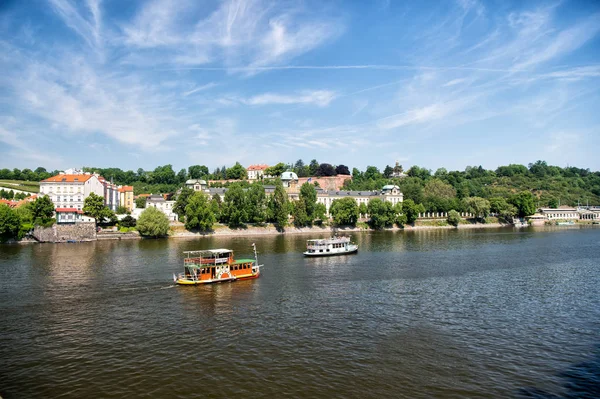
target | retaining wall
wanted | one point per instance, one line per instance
(66, 232)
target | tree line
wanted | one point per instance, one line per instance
(439, 191)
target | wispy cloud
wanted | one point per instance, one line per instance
(321, 98)
(252, 32)
(73, 14)
(200, 88)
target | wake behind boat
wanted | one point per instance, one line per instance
(330, 247)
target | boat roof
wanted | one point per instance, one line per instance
(209, 251)
(329, 240)
(238, 261)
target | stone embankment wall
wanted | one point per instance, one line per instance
(117, 235)
(66, 232)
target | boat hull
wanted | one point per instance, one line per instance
(319, 254)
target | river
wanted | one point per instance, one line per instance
(490, 313)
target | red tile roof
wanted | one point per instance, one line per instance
(67, 210)
(258, 167)
(125, 189)
(12, 204)
(67, 179)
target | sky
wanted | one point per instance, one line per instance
(137, 84)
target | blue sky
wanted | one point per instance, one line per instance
(437, 84)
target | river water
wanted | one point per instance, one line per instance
(491, 313)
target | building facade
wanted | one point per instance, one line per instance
(563, 213)
(126, 197)
(196, 184)
(256, 172)
(71, 215)
(389, 193)
(158, 201)
(70, 191)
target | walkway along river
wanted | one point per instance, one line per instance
(490, 313)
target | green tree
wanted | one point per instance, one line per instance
(312, 167)
(381, 213)
(524, 203)
(9, 223)
(153, 223)
(300, 169)
(234, 206)
(300, 214)
(182, 176)
(140, 202)
(121, 210)
(279, 206)
(309, 194)
(362, 210)
(344, 211)
(411, 210)
(164, 175)
(197, 171)
(128, 221)
(320, 213)
(453, 218)
(93, 206)
(216, 206)
(387, 171)
(275, 170)
(182, 202)
(256, 204)
(478, 206)
(198, 213)
(502, 208)
(42, 210)
(237, 171)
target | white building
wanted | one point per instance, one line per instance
(71, 215)
(70, 191)
(389, 193)
(563, 213)
(158, 201)
(256, 172)
(196, 184)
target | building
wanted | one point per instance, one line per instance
(562, 213)
(196, 184)
(126, 197)
(330, 183)
(158, 201)
(256, 172)
(111, 193)
(71, 215)
(289, 179)
(397, 172)
(389, 193)
(71, 190)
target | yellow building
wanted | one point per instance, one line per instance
(126, 197)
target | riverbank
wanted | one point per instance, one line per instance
(180, 232)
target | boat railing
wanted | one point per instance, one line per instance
(205, 261)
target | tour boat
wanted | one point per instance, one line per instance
(216, 266)
(330, 246)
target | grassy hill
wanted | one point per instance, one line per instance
(23, 185)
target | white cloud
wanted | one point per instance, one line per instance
(321, 98)
(252, 32)
(565, 42)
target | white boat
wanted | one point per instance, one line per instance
(330, 246)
